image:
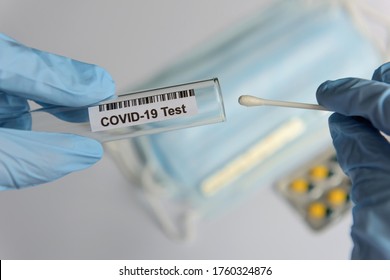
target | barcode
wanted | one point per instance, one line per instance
(146, 100)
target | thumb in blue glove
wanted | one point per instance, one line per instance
(29, 158)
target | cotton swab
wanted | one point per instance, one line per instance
(249, 100)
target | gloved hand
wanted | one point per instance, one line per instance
(30, 158)
(363, 111)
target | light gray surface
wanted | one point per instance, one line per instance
(95, 214)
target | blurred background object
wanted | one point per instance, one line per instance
(278, 49)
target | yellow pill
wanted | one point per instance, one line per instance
(319, 172)
(337, 196)
(299, 186)
(317, 210)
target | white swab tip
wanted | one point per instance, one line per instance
(248, 100)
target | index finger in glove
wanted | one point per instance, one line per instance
(50, 78)
(358, 97)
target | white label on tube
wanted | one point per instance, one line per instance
(141, 109)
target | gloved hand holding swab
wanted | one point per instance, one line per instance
(249, 100)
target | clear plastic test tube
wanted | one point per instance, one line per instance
(139, 113)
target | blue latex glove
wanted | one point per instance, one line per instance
(363, 110)
(30, 158)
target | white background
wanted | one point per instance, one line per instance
(95, 214)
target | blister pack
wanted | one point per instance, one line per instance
(318, 190)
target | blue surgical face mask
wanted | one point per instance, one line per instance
(283, 53)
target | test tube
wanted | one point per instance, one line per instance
(138, 113)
